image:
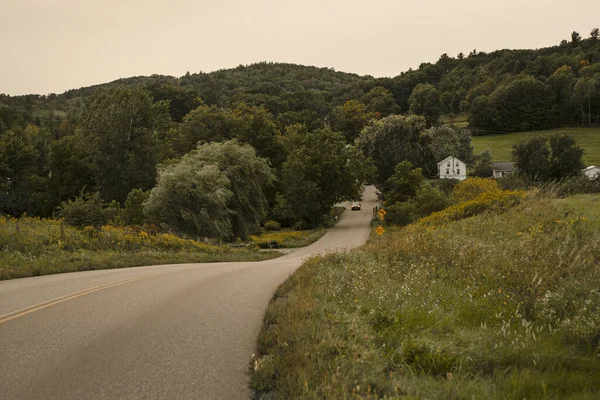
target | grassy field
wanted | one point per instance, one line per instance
(502, 305)
(501, 145)
(31, 246)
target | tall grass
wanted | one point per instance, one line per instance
(497, 306)
(32, 246)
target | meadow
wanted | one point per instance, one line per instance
(33, 246)
(500, 305)
(501, 145)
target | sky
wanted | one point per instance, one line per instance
(50, 46)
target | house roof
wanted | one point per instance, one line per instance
(449, 158)
(505, 166)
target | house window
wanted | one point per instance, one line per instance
(457, 164)
(447, 171)
(448, 165)
(457, 171)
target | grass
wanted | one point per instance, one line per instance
(502, 305)
(288, 239)
(32, 246)
(501, 145)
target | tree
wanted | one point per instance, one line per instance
(583, 93)
(214, 191)
(204, 124)
(123, 127)
(483, 164)
(380, 102)
(450, 141)
(522, 104)
(562, 82)
(320, 173)
(350, 119)
(17, 168)
(393, 139)
(259, 129)
(594, 34)
(546, 159)
(425, 100)
(403, 184)
(575, 39)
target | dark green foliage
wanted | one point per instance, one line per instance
(522, 104)
(123, 127)
(85, 210)
(483, 165)
(318, 174)
(394, 139)
(403, 184)
(133, 214)
(550, 159)
(215, 191)
(450, 141)
(426, 100)
(272, 226)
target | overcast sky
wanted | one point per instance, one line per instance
(49, 46)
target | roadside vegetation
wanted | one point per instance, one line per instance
(33, 246)
(501, 305)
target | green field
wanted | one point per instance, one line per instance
(501, 145)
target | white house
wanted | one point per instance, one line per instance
(502, 168)
(452, 168)
(592, 172)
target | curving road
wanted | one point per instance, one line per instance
(183, 331)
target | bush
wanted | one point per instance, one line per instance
(133, 214)
(272, 226)
(470, 188)
(86, 210)
(498, 200)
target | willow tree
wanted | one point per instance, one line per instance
(214, 191)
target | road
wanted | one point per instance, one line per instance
(184, 331)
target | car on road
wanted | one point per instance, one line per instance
(355, 206)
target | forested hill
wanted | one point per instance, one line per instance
(111, 137)
(560, 85)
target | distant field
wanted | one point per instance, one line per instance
(501, 145)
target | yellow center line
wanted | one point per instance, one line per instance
(39, 306)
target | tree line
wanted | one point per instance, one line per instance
(308, 134)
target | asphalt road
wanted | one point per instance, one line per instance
(185, 331)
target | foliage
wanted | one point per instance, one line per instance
(470, 188)
(287, 239)
(216, 191)
(122, 126)
(133, 214)
(501, 146)
(272, 226)
(483, 164)
(425, 100)
(546, 159)
(494, 201)
(33, 246)
(320, 173)
(448, 141)
(87, 209)
(470, 310)
(403, 184)
(521, 104)
(394, 139)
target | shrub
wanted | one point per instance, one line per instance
(498, 200)
(272, 226)
(133, 214)
(86, 210)
(470, 188)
